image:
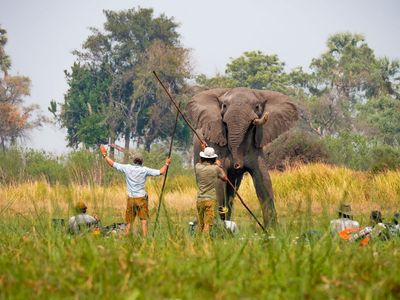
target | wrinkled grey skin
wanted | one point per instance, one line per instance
(238, 123)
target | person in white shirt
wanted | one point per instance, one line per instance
(82, 221)
(135, 176)
(345, 220)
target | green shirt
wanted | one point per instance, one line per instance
(206, 178)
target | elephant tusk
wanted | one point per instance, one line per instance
(262, 120)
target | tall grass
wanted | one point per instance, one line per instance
(39, 261)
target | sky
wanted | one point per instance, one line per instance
(43, 33)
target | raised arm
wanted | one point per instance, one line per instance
(222, 175)
(103, 151)
(165, 167)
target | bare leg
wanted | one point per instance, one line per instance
(144, 227)
(263, 185)
(128, 228)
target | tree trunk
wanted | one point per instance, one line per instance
(127, 141)
(112, 150)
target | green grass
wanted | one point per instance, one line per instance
(41, 262)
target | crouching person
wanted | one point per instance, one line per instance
(345, 220)
(82, 220)
(208, 172)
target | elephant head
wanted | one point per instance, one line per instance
(225, 116)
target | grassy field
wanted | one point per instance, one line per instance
(39, 261)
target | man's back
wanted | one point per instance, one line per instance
(206, 178)
(81, 221)
(135, 176)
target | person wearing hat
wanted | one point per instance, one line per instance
(345, 220)
(207, 171)
(82, 220)
(394, 227)
(379, 229)
(135, 176)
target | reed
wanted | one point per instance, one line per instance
(40, 261)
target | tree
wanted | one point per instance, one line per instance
(254, 70)
(342, 78)
(158, 120)
(117, 57)
(15, 118)
(85, 109)
(382, 115)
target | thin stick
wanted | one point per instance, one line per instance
(245, 206)
(203, 142)
(166, 174)
(178, 108)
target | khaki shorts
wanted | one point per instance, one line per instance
(206, 212)
(136, 207)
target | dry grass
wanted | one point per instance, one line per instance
(312, 188)
(38, 260)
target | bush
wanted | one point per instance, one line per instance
(350, 149)
(11, 166)
(295, 147)
(39, 165)
(87, 167)
(385, 158)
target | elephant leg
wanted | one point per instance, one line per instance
(263, 185)
(236, 180)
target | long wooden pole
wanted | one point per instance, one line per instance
(204, 143)
(166, 174)
(178, 108)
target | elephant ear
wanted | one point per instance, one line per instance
(205, 113)
(282, 115)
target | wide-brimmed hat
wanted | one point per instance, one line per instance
(345, 209)
(208, 152)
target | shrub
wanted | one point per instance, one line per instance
(11, 166)
(295, 147)
(350, 149)
(87, 167)
(385, 158)
(39, 165)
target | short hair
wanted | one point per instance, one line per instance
(209, 160)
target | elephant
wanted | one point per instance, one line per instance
(238, 123)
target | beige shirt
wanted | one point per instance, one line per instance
(341, 224)
(206, 178)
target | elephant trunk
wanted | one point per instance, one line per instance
(238, 123)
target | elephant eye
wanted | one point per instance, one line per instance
(259, 109)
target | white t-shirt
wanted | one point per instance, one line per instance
(135, 176)
(341, 224)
